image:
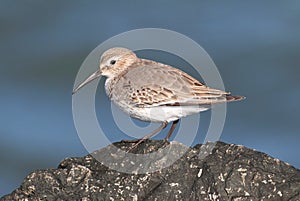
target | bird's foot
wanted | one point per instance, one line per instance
(136, 144)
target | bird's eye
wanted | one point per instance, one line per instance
(112, 62)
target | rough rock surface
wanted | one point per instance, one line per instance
(215, 171)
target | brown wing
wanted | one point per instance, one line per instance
(154, 84)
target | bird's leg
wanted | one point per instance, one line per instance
(162, 126)
(174, 123)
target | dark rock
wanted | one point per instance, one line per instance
(215, 171)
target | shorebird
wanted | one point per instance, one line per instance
(153, 91)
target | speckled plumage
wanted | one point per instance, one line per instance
(152, 91)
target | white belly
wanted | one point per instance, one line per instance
(161, 113)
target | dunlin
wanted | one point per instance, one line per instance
(152, 91)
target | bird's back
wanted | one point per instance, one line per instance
(147, 84)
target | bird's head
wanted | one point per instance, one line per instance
(112, 63)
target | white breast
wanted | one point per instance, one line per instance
(160, 113)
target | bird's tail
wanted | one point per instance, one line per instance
(235, 98)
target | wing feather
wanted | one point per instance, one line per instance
(154, 84)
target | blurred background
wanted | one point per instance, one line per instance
(255, 45)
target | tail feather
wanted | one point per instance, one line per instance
(235, 98)
(207, 102)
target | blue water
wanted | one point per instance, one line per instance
(254, 44)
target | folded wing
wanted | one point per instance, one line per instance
(156, 84)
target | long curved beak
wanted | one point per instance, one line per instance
(88, 80)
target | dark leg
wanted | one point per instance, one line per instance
(171, 129)
(162, 126)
